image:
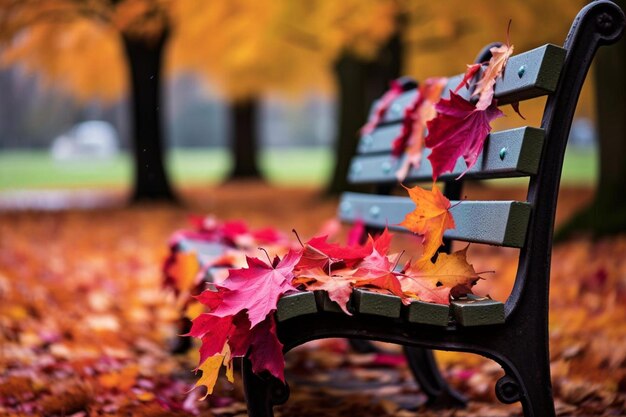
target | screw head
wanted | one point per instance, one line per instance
(367, 141)
(386, 167)
(396, 109)
(374, 211)
(345, 207)
(604, 22)
(356, 168)
(521, 70)
(503, 153)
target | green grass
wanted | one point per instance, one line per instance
(35, 169)
(580, 167)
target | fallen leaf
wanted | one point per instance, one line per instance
(495, 68)
(448, 271)
(410, 142)
(257, 288)
(338, 285)
(266, 351)
(377, 271)
(430, 219)
(211, 368)
(395, 89)
(417, 288)
(458, 130)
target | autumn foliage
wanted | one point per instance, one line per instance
(238, 318)
(84, 324)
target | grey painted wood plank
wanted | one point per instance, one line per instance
(475, 311)
(502, 223)
(540, 69)
(324, 303)
(294, 305)
(369, 302)
(205, 251)
(428, 313)
(380, 139)
(509, 153)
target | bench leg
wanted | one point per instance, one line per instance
(426, 372)
(262, 392)
(181, 344)
(535, 392)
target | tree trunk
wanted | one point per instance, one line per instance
(145, 63)
(607, 213)
(244, 144)
(359, 82)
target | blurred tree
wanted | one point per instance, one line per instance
(247, 47)
(606, 215)
(360, 82)
(73, 42)
(251, 47)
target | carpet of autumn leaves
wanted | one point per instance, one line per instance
(85, 328)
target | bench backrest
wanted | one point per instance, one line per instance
(534, 152)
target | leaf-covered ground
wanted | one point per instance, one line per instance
(85, 328)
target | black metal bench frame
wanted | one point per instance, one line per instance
(520, 344)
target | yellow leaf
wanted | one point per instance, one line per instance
(449, 270)
(194, 309)
(211, 368)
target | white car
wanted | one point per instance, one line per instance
(87, 140)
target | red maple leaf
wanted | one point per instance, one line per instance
(458, 130)
(395, 89)
(377, 271)
(266, 351)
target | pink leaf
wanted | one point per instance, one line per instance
(395, 89)
(257, 288)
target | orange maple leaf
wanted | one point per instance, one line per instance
(184, 271)
(432, 281)
(430, 218)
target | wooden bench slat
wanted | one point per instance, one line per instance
(324, 303)
(474, 311)
(369, 302)
(539, 76)
(428, 313)
(380, 139)
(509, 153)
(294, 305)
(502, 223)
(201, 247)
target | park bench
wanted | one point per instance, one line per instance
(514, 333)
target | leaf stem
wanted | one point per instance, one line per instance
(266, 254)
(297, 237)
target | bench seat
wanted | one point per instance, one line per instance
(472, 311)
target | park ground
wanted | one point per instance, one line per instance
(32, 169)
(85, 326)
